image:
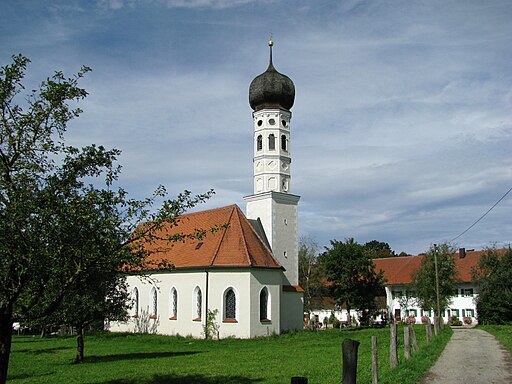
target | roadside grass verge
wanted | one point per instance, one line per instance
(153, 359)
(502, 332)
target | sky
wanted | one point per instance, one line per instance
(401, 130)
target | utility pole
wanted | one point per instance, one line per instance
(437, 287)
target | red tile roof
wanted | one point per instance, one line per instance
(399, 270)
(236, 245)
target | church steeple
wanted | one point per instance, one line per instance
(271, 96)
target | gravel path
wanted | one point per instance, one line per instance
(472, 356)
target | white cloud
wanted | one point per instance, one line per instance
(401, 127)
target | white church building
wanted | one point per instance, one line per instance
(247, 272)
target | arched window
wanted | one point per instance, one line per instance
(154, 303)
(198, 303)
(264, 305)
(283, 143)
(259, 143)
(271, 142)
(135, 302)
(173, 305)
(229, 304)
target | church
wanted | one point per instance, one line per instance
(247, 271)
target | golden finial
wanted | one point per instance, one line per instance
(270, 42)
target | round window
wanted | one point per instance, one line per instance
(260, 122)
(271, 121)
(284, 123)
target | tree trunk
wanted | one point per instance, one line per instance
(5, 342)
(79, 345)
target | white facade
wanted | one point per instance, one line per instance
(278, 215)
(462, 304)
(181, 317)
(272, 157)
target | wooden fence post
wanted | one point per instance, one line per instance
(375, 361)
(407, 342)
(436, 325)
(299, 380)
(349, 361)
(415, 347)
(393, 351)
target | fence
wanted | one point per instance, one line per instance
(350, 349)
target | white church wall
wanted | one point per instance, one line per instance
(292, 311)
(219, 283)
(247, 285)
(271, 280)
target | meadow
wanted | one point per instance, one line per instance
(502, 332)
(154, 359)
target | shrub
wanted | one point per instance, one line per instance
(424, 319)
(454, 320)
(467, 320)
(411, 320)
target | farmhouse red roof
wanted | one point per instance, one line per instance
(399, 270)
(235, 245)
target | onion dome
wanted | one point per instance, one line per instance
(271, 89)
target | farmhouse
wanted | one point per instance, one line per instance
(400, 302)
(247, 271)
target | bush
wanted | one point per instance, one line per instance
(424, 319)
(454, 320)
(411, 320)
(467, 320)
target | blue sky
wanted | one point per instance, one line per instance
(402, 123)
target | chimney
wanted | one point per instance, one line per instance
(462, 253)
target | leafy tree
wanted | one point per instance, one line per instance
(494, 279)
(351, 273)
(310, 274)
(424, 279)
(62, 240)
(379, 249)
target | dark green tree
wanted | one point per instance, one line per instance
(310, 273)
(379, 249)
(351, 273)
(64, 227)
(424, 279)
(494, 280)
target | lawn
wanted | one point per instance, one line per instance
(502, 332)
(152, 359)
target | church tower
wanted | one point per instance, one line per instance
(271, 96)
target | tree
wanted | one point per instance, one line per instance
(494, 280)
(351, 273)
(379, 249)
(65, 230)
(310, 274)
(424, 279)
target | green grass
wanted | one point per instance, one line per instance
(502, 332)
(152, 359)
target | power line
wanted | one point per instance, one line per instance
(481, 217)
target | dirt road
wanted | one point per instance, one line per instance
(472, 356)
